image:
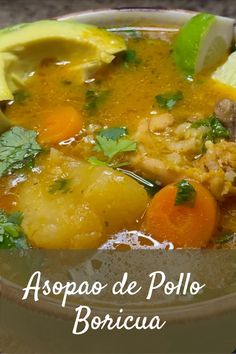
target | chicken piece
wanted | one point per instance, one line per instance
(225, 111)
(176, 153)
(160, 122)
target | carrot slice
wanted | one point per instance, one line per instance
(61, 124)
(184, 225)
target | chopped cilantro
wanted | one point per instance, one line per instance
(168, 100)
(96, 162)
(20, 96)
(60, 185)
(130, 57)
(93, 99)
(111, 142)
(111, 148)
(113, 133)
(186, 194)
(216, 130)
(11, 232)
(225, 238)
(18, 147)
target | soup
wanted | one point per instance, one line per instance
(132, 153)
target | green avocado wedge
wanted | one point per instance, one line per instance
(5, 123)
(23, 47)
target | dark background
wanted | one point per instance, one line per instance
(13, 11)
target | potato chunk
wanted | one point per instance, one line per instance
(72, 204)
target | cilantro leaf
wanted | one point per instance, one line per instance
(168, 100)
(186, 194)
(111, 148)
(18, 146)
(113, 133)
(111, 142)
(11, 232)
(216, 130)
(93, 99)
(60, 185)
(130, 57)
(20, 96)
(225, 238)
(96, 162)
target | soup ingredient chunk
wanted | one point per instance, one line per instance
(186, 193)
(226, 73)
(202, 42)
(226, 238)
(185, 224)
(5, 123)
(18, 147)
(215, 130)
(168, 100)
(72, 204)
(225, 111)
(112, 143)
(200, 151)
(23, 47)
(11, 232)
(60, 124)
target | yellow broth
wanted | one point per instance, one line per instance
(129, 98)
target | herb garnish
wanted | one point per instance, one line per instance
(111, 142)
(60, 185)
(20, 96)
(168, 100)
(186, 194)
(111, 148)
(18, 148)
(225, 238)
(11, 232)
(130, 57)
(216, 130)
(96, 162)
(94, 98)
(113, 133)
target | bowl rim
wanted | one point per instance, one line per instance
(182, 313)
(212, 307)
(125, 9)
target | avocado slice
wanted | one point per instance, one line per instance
(5, 123)
(24, 46)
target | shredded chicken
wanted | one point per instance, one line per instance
(176, 152)
(160, 122)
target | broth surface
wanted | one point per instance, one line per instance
(127, 91)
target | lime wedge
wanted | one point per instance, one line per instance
(226, 73)
(202, 42)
